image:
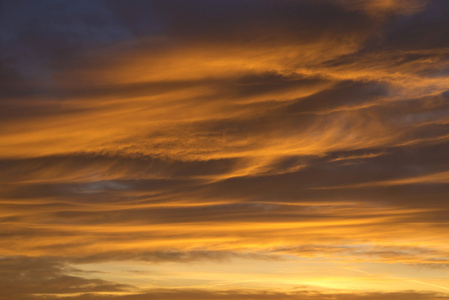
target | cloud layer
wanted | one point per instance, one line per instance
(224, 149)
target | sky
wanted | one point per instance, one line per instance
(224, 149)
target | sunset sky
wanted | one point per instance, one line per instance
(224, 149)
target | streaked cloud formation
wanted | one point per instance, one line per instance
(224, 149)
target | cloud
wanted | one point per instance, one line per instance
(249, 295)
(46, 278)
(281, 144)
(28, 276)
